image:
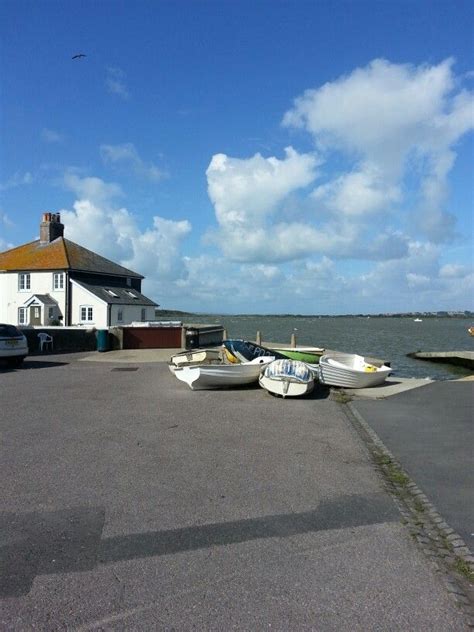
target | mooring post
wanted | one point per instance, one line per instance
(258, 338)
(224, 334)
(183, 337)
(293, 340)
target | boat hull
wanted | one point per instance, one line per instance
(287, 378)
(214, 376)
(350, 371)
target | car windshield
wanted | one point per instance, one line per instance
(9, 331)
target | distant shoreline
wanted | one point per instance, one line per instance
(465, 314)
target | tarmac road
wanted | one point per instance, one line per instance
(130, 502)
(430, 431)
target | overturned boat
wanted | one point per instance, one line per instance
(212, 376)
(287, 378)
(350, 371)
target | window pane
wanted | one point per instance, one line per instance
(24, 281)
(58, 281)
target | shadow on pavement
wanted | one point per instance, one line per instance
(70, 540)
(31, 364)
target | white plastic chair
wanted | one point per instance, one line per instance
(45, 340)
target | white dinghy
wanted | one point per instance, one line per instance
(350, 371)
(210, 376)
(287, 378)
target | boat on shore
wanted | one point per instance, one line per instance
(350, 370)
(212, 376)
(310, 355)
(287, 378)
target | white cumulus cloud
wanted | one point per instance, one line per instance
(246, 191)
(388, 118)
(98, 223)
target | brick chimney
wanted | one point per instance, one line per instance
(51, 227)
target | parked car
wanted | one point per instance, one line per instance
(13, 345)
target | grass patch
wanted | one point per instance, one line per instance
(418, 505)
(340, 396)
(392, 471)
(463, 567)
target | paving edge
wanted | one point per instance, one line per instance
(445, 548)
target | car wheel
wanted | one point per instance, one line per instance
(15, 362)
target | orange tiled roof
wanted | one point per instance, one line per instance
(60, 254)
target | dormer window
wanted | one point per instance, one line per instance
(58, 281)
(24, 282)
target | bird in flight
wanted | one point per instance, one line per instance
(78, 56)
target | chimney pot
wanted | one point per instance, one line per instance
(51, 227)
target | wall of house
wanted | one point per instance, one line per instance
(130, 314)
(11, 298)
(81, 297)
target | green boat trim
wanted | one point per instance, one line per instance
(303, 354)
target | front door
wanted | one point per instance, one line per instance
(35, 315)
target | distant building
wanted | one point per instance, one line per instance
(54, 281)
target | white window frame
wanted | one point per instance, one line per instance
(89, 313)
(120, 315)
(24, 282)
(58, 281)
(22, 315)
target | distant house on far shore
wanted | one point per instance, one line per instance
(54, 281)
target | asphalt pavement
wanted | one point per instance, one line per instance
(430, 432)
(130, 502)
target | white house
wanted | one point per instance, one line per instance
(54, 281)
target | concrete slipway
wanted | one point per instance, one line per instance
(131, 502)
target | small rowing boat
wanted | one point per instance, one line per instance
(287, 378)
(211, 376)
(350, 371)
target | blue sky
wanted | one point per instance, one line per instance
(305, 157)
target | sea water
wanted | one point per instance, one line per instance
(389, 339)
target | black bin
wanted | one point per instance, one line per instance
(192, 338)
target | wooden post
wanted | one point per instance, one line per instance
(258, 338)
(183, 337)
(224, 334)
(293, 340)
